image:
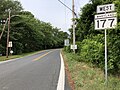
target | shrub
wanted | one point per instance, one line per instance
(114, 53)
(93, 51)
(67, 49)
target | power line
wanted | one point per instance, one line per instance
(68, 8)
(77, 6)
(65, 16)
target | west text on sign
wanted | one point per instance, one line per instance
(105, 8)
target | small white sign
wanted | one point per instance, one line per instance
(73, 46)
(10, 44)
(66, 42)
(105, 8)
(11, 52)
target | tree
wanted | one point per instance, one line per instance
(14, 6)
(28, 33)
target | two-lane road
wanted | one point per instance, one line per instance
(36, 72)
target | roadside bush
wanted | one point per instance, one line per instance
(67, 49)
(114, 51)
(79, 45)
(93, 51)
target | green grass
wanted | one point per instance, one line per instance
(3, 58)
(88, 77)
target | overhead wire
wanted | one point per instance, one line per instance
(67, 7)
(65, 16)
(77, 7)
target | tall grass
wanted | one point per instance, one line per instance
(88, 77)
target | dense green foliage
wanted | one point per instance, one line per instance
(26, 32)
(91, 42)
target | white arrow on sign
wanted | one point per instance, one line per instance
(105, 8)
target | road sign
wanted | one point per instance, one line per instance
(10, 44)
(106, 21)
(73, 46)
(2, 21)
(11, 52)
(66, 42)
(105, 8)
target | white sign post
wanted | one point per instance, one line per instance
(105, 21)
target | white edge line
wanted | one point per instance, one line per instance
(61, 80)
(1, 62)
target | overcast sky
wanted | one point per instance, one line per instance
(53, 11)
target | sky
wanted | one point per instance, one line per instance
(53, 11)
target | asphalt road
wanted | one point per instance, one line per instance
(35, 72)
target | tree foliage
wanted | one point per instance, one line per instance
(26, 32)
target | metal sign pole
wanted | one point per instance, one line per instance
(105, 55)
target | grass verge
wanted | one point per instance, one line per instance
(88, 77)
(3, 58)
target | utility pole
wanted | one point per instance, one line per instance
(3, 29)
(73, 13)
(7, 50)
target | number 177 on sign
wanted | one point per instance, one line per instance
(106, 23)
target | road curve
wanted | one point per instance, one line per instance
(36, 72)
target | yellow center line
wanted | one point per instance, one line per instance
(42, 56)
